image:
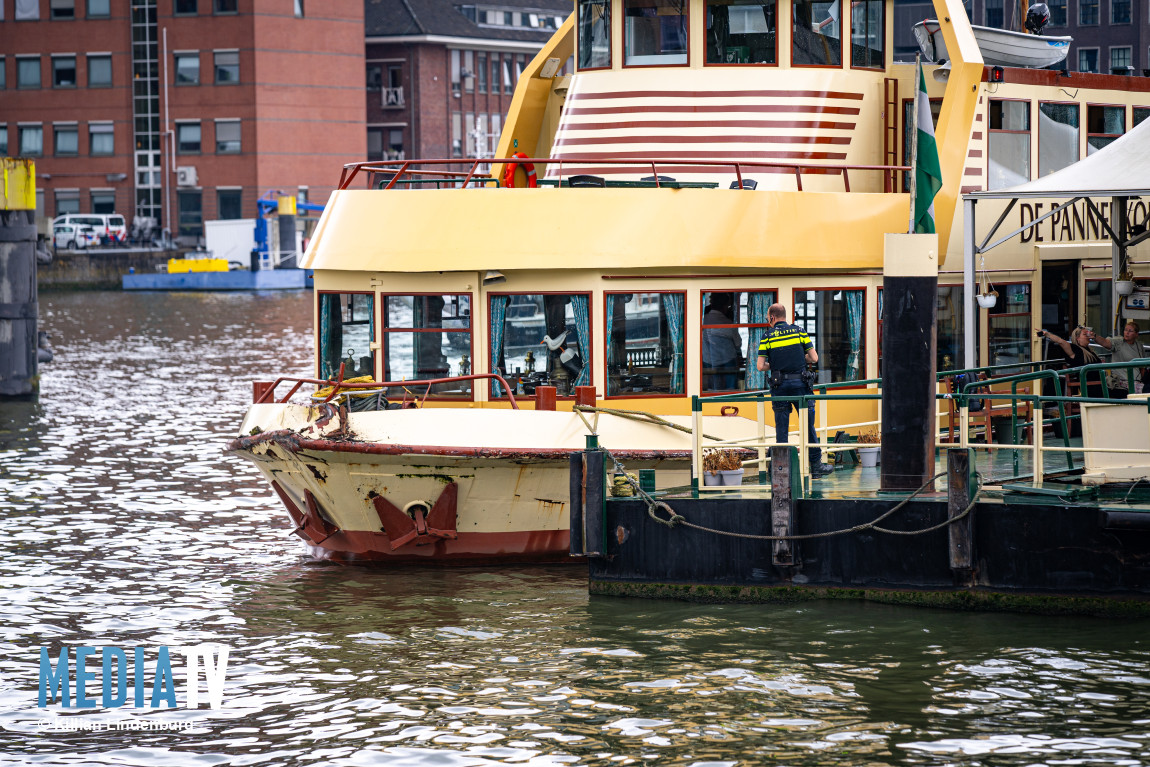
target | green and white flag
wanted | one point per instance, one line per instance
(926, 171)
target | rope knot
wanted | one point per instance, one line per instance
(672, 520)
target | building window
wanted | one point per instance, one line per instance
(101, 139)
(3, 140)
(1120, 60)
(395, 144)
(994, 13)
(67, 201)
(63, 9)
(1009, 144)
(1119, 11)
(469, 134)
(191, 214)
(594, 23)
(228, 137)
(225, 6)
(456, 73)
(298, 5)
(741, 31)
(374, 144)
(1103, 126)
(645, 343)
(1057, 137)
(27, 71)
(1140, 114)
(427, 336)
(28, 10)
(520, 63)
(3, 73)
(541, 340)
(374, 77)
(1009, 331)
(227, 64)
(1087, 12)
(816, 37)
(301, 196)
(188, 138)
(99, 71)
(99, 9)
(103, 201)
(31, 140)
(1087, 59)
(229, 204)
(654, 32)
(186, 7)
(468, 72)
(1057, 13)
(733, 324)
(833, 318)
(187, 68)
(481, 72)
(456, 134)
(868, 37)
(494, 73)
(67, 140)
(63, 71)
(508, 86)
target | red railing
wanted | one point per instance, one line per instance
(264, 393)
(410, 169)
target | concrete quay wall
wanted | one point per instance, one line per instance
(100, 269)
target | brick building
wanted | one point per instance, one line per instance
(1109, 35)
(440, 76)
(235, 107)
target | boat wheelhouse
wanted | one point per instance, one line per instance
(704, 160)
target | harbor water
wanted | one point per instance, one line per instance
(123, 523)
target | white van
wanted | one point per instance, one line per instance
(109, 227)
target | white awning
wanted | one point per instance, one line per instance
(1121, 169)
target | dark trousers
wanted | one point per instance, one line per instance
(1118, 393)
(783, 416)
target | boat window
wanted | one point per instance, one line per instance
(733, 324)
(949, 332)
(1008, 144)
(346, 331)
(833, 319)
(1098, 313)
(1104, 124)
(1009, 331)
(655, 32)
(1140, 114)
(867, 36)
(644, 343)
(816, 34)
(538, 340)
(1057, 137)
(594, 34)
(741, 32)
(425, 337)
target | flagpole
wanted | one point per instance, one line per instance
(914, 138)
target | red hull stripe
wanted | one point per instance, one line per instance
(780, 155)
(713, 124)
(714, 108)
(719, 94)
(574, 165)
(712, 139)
(525, 546)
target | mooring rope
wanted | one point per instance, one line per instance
(642, 416)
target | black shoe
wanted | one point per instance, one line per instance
(822, 469)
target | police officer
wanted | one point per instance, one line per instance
(784, 353)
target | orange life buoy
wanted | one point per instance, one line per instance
(528, 168)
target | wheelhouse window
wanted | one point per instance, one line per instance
(833, 319)
(1103, 125)
(816, 34)
(654, 32)
(539, 340)
(741, 32)
(425, 337)
(1139, 114)
(1009, 144)
(949, 330)
(1009, 331)
(733, 324)
(1057, 137)
(644, 343)
(1098, 313)
(346, 332)
(594, 34)
(867, 36)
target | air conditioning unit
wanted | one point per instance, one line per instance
(186, 176)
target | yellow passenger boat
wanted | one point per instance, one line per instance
(703, 160)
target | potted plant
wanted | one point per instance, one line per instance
(868, 456)
(985, 294)
(1125, 285)
(722, 466)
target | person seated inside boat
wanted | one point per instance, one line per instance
(1078, 353)
(722, 344)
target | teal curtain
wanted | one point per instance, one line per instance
(498, 313)
(580, 307)
(610, 348)
(757, 306)
(854, 299)
(673, 306)
(329, 346)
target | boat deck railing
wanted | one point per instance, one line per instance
(393, 174)
(265, 392)
(972, 389)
